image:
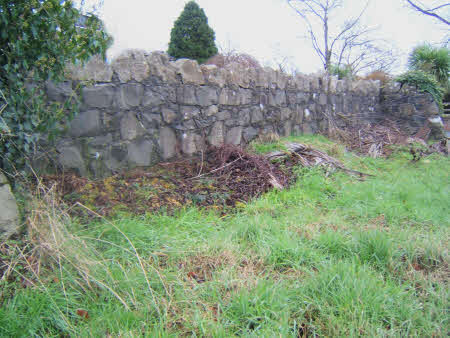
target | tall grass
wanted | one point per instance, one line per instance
(331, 256)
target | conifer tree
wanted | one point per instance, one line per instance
(191, 37)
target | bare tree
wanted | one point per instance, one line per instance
(433, 11)
(349, 43)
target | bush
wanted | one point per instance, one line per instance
(424, 82)
(191, 37)
(432, 60)
(342, 71)
(37, 38)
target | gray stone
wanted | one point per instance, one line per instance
(9, 213)
(130, 127)
(101, 141)
(130, 95)
(167, 142)
(70, 158)
(277, 98)
(99, 96)
(94, 70)
(161, 67)
(140, 153)
(285, 113)
(223, 115)
(216, 136)
(211, 111)
(131, 65)
(249, 134)
(207, 96)
(323, 99)
(234, 136)
(190, 71)
(60, 91)
(168, 115)
(188, 112)
(188, 143)
(85, 124)
(244, 117)
(152, 99)
(186, 95)
(256, 115)
(287, 128)
(245, 96)
(229, 97)
(214, 75)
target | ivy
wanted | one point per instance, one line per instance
(37, 39)
(424, 82)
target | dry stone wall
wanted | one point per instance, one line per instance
(144, 108)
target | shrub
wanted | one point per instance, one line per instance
(191, 37)
(432, 60)
(424, 82)
(342, 71)
(37, 38)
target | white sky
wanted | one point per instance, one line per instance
(266, 29)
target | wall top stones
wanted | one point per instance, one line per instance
(138, 65)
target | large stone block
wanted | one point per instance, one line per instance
(167, 142)
(249, 134)
(190, 71)
(152, 99)
(207, 96)
(99, 96)
(131, 65)
(9, 213)
(86, 123)
(130, 95)
(277, 98)
(229, 97)
(188, 112)
(140, 153)
(216, 136)
(186, 95)
(59, 91)
(188, 143)
(161, 67)
(130, 127)
(168, 115)
(256, 115)
(94, 70)
(70, 158)
(234, 136)
(214, 75)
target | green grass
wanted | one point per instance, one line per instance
(331, 256)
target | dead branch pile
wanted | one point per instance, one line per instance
(242, 173)
(308, 157)
(371, 139)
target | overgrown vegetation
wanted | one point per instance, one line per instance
(423, 81)
(191, 37)
(331, 256)
(37, 39)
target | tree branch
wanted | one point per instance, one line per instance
(430, 12)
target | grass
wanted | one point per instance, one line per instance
(331, 256)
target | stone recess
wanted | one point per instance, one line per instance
(144, 108)
(9, 213)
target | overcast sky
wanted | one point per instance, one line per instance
(266, 29)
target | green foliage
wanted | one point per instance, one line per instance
(432, 60)
(38, 38)
(331, 256)
(342, 71)
(423, 81)
(191, 37)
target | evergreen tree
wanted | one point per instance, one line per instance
(191, 37)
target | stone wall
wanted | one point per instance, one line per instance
(144, 108)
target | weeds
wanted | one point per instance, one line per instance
(331, 256)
